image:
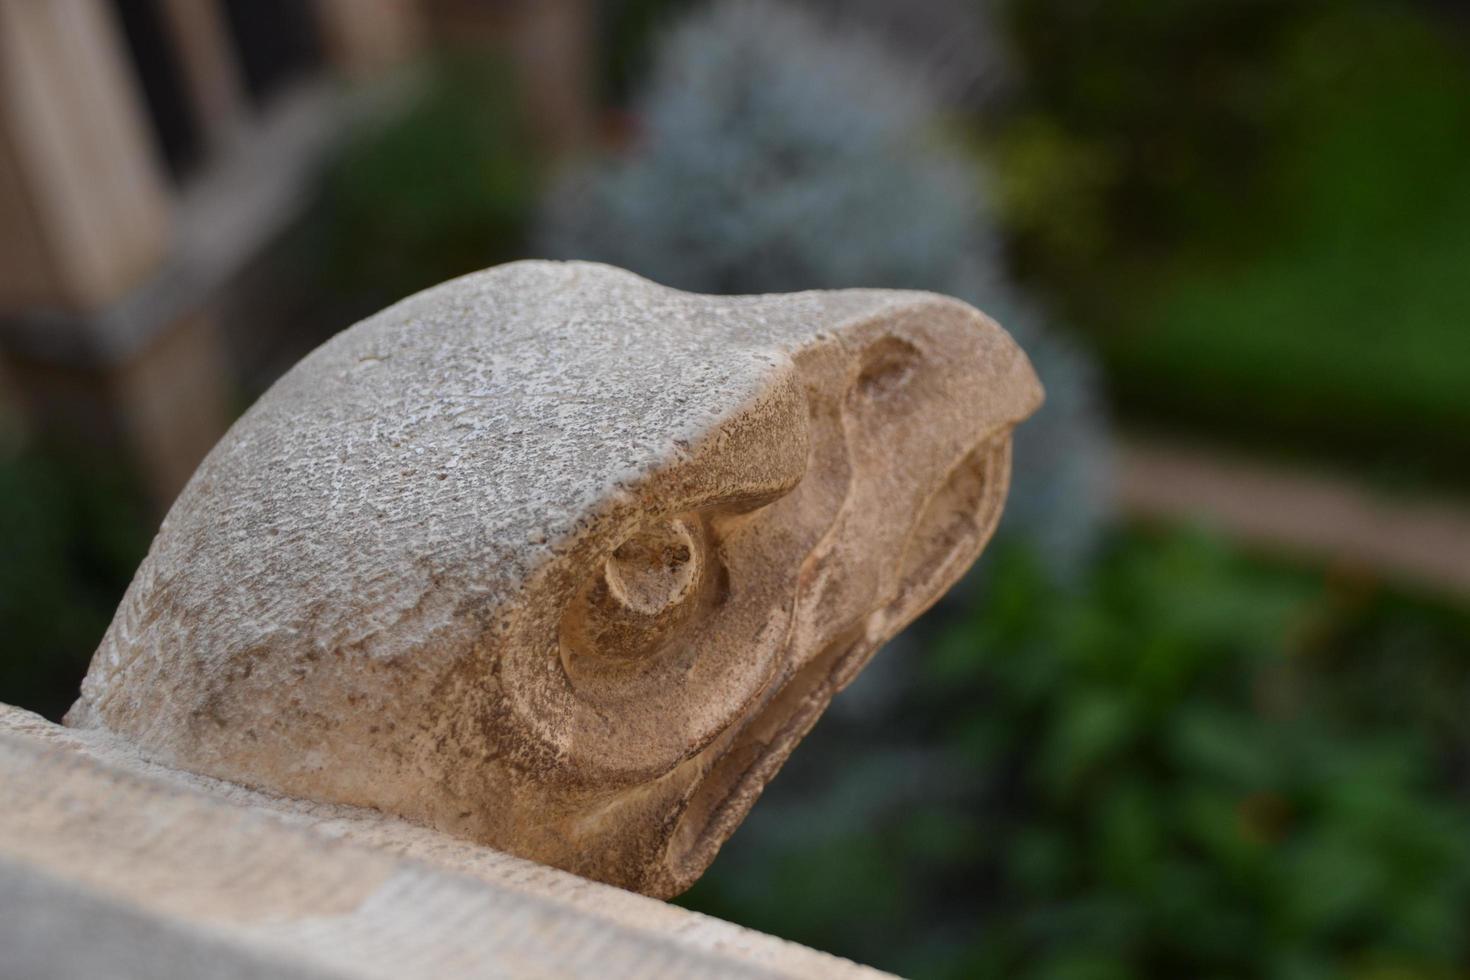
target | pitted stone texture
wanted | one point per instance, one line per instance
(114, 867)
(563, 561)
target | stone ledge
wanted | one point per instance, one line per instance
(109, 864)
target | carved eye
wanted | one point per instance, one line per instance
(636, 602)
(653, 571)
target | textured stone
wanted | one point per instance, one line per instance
(114, 867)
(561, 561)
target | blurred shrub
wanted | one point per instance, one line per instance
(1190, 766)
(74, 529)
(1262, 210)
(776, 153)
(444, 187)
(1140, 124)
(1348, 326)
(628, 30)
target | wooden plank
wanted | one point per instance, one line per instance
(1424, 541)
(82, 152)
(209, 65)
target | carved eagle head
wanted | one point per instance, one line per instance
(561, 560)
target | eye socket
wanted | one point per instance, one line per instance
(634, 605)
(654, 570)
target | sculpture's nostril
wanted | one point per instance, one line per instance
(886, 367)
(654, 570)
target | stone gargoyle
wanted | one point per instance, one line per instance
(562, 561)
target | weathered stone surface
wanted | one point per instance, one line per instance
(114, 867)
(560, 561)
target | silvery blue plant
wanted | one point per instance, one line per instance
(779, 152)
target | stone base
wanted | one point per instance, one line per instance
(112, 866)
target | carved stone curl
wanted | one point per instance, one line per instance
(563, 561)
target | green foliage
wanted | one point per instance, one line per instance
(443, 188)
(1263, 212)
(1349, 324)
(1140, 123)
(73, 533)
(628, 30)
(1191, 765)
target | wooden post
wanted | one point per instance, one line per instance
(210, 68)
(86, 194)
(365, 37)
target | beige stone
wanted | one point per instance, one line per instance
(561, 561)
(114, 867)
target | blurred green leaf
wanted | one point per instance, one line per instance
(1128, 789)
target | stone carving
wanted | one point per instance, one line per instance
(562, 561)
